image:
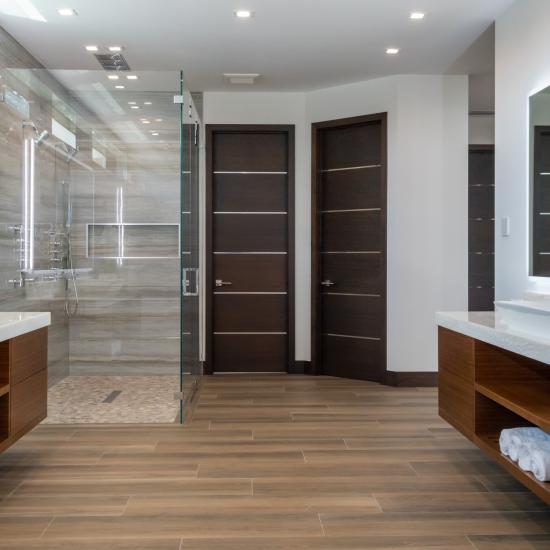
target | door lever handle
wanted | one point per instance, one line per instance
(219, 282)
(327, 283)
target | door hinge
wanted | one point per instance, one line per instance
(178, 99)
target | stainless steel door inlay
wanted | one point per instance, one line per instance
(351, 168)
(349, 336)
(351, 210)
(253, 173)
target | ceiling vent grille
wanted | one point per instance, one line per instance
(112, 62)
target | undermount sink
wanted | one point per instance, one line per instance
(527, 317)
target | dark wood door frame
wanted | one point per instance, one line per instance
(316, 362)
(211, 129)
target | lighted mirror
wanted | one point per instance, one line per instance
(539, 170)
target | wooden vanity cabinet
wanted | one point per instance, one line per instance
(23, 384)
(484, 389)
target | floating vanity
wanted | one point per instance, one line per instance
(23, 373)
(494, 374)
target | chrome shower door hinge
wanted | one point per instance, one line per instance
(178, 99)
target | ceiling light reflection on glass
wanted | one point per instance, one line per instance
(392, 51)
(92, 48)
(113, 77)
(417, 15)
(243, 14)
(115, 48)
(132, 77)
(120, 87)
(66, 12)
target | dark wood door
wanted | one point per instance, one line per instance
(481, 228)
(250, 198)
(349, 248)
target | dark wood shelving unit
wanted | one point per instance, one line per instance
(484, 389)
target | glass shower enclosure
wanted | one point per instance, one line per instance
(99, 224)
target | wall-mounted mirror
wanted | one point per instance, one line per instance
(539, 170)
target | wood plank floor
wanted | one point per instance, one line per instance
(272, 463)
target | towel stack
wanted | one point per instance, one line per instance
(530, 448)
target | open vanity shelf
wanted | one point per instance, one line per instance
(484, 389)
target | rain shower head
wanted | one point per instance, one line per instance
(42, 137)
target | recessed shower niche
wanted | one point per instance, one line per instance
(132, 240)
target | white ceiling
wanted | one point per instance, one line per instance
(293, 44)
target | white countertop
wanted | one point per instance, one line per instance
(14, 324)
(484, 326)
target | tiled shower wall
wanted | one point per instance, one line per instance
(43, 295)
(128, 317)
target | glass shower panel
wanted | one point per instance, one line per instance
(91, 231)
(190, 251)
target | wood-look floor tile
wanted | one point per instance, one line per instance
(63, 505)
(187, 526)
(461, 502)
(441, 542)
(389, 456)
(187, 487)
(342, 486)
(167, 505)
(510, 542)
(418, 524)
(223, 447)
(265, 459)
(104, 544)
(276, 469)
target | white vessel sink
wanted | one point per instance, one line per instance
(530, 318)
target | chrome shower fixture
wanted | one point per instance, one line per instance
(40, 139)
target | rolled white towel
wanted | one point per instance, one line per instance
(524, 459)
(512, 439)
(517, 444)
(539, 451)
(505, 440)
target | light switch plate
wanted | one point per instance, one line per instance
(505, 225)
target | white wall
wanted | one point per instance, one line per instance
(522, 67)
(427, 195)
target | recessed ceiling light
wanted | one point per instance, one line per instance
(113, 77)
(244, 14)
(132, 77)
(66, 12)
(392, 51)
(120, 87)
(154, 133)
(115, 48)
(131, 102)
(417, 15)
(146, 121)
(92, 48)
(158, 119)
(134, 107)
(147, 103)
